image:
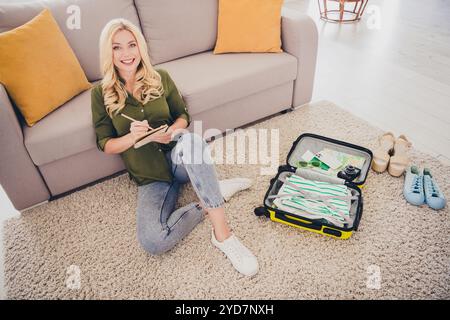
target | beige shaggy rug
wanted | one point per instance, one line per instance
(399, 251)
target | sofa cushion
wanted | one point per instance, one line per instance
(64, 132)
(206, 80)
(93, 16)
(249, 26)
(177, 28)
(38, 67)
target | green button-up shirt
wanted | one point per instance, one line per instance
(147, 163)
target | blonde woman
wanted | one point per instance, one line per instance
(131, 86)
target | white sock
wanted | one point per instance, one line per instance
(229, 187)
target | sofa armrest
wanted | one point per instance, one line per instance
(300, 38)
(19, 177)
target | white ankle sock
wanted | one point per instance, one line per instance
(229, 187)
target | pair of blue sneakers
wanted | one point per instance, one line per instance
(421, 187)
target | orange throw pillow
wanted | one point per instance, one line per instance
(249, 26)
(38, 67)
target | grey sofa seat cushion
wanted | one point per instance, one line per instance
(93, 16)
(177, 28)
(66, 131)
(206, 80)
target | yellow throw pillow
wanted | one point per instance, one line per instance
(249, 26)
(38, 67)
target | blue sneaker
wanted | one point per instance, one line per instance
(413, 188)
(433, 195)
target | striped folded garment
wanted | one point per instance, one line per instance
(315, 200)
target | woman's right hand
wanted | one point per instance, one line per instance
(138, 129)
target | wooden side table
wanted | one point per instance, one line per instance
(339, 15)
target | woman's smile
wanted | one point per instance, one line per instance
(128, 62)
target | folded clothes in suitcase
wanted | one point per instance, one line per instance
(319, 189)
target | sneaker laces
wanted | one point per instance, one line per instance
(432, 187)
(238, 250)
(416, 184)
(234, 253)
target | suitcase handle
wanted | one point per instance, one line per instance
(284, 217)
(359, 216)
(262, 211)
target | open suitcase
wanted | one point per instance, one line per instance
(295, 167)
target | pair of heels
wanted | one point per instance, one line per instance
(391, 154)
(421, 187)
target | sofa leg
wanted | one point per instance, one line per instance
(290, 109)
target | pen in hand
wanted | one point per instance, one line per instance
(130, 118)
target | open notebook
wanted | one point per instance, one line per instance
(147, 138)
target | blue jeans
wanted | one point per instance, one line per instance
(159, 225)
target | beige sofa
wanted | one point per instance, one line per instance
(59, 153)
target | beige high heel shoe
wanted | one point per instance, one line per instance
(382, 154)
(400, 160)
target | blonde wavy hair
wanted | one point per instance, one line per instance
(147, 85)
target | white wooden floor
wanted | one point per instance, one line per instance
(396, 76)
